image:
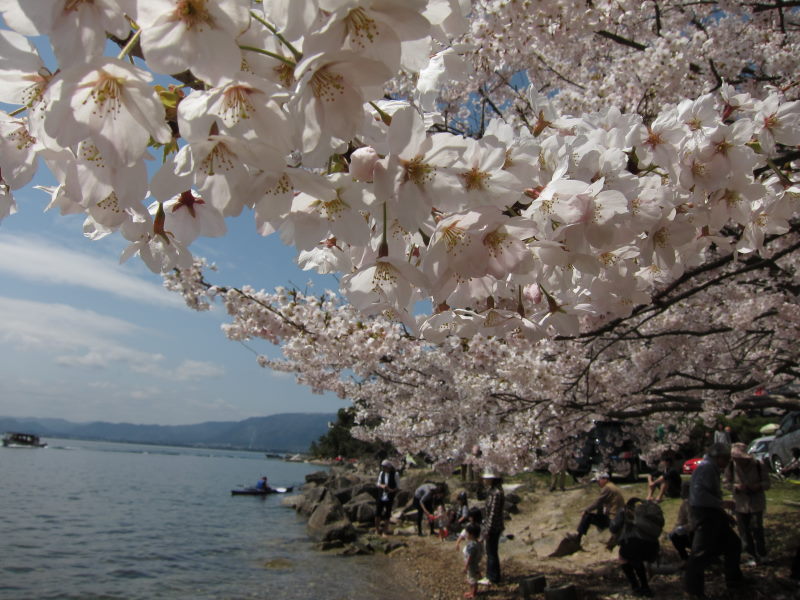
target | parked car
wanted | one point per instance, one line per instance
(787, 438)
(690, 465)
(759, 448)
(608, 447)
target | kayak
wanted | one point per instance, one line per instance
(251, 491)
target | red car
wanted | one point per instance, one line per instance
(690, 465)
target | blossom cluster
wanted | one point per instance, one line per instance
(698, 353)
(279, 115)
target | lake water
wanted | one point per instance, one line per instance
(92, 520)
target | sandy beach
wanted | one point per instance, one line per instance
(435, 566)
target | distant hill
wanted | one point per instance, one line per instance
(289, 432)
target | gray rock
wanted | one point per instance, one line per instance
(293, 501)
(357, 549)
(361, 509)
(531, 586)
(567, 592)
(312, 498)
(317, 477)
(328, 522)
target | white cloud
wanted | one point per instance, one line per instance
(59, 327)
(35, 259)
(81, 338)
(195, 369)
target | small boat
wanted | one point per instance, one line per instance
(22, 440)
(251, 491)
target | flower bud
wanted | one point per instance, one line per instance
(362, 163)
(533, 293)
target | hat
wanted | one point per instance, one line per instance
(601, 475)
(489, 475)
(739, 450)
(387, 463)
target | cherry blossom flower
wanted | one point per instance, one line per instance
(331, 90)
(777, 123)
(193, 34)
(77, 28)
(112, 103)
(245, 106)
(415, 176)
(391, 31)
(337, 213)
(385, 281)
(186, 215)
(157, 248)
(18, 150)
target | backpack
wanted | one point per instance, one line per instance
(648, 519)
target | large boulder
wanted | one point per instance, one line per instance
(328, 522)
(403, 497)
(340, 481)
(361, 509)
(317, 477)
(311, 499)
(293, 501)
(345, 494)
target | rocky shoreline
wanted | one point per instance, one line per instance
(340, 507)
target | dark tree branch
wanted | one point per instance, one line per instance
(621, 40)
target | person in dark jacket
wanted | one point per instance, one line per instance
(493, 526)
(388, 483)
(713, 534)
(638, 530)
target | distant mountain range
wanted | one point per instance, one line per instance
(290, 432)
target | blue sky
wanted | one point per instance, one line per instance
(84, 338)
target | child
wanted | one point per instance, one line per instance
(443, 518)
(461, 516)
(473, 552)
(474, 516)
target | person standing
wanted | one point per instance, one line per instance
(748, 478)
(602, 511)
(558, 472)
(713, 534)
(388, 484)
(493, 526)
(722, 435)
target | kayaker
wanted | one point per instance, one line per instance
(262, 486)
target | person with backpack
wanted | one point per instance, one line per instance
(748, 478)
(388, 483)
(713, 534)
(638, 528)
